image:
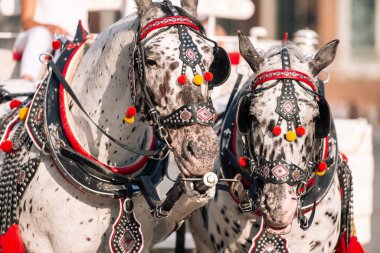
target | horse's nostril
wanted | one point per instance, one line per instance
(190, 147)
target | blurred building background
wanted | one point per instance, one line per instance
(354, 88)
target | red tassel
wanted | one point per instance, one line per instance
(56, 44)
(355, 246)
(182, 79)
(11, 242)
(15, 103)
(17, 56)
(208, 76)
(7, 146)
(341, 246)
(276, 131)
(243, 162)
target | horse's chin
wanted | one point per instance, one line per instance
(279, 230)
(195, 149)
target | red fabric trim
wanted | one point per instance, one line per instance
(284, 74)
(74, 142)
(167, 21)
(9, 128)
(11, 242)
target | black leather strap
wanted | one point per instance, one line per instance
(156, 154)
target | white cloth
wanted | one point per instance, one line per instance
(32, 44)
(63, 13)
(37, 40)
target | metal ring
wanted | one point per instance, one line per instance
(125, 206)
(44, 151)
(327, 76)
(43, 61)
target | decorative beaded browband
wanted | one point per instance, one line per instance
(165, 22)
(188, 50)
(284, 74)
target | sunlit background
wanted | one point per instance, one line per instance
(353, 90)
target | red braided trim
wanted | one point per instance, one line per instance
(167, 21)
(284, 74)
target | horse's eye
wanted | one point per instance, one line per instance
(151, 62)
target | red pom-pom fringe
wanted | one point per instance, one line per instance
(11, 242)
(243, 161)
(345, 158)
(56, 44)
(322, 166)
(341, 245)
(208, 76)
(7, 146)
(354, 246)
(300, 131)
(14, 103)
(131, 112)
(17, 56)
(276, 131)
(182, 79)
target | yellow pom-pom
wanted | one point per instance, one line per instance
(291, 136)
(23, 113)
(129, 120)
(320, 173)
(198, 80)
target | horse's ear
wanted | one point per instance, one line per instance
(249, 53)
(190, 6)
(324, 57)
(143, 6)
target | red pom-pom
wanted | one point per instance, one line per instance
(344, 157)
(243, 161)
(15, 103)
(208, 76)
(11, 241)
(300, 131)
(354, 246)
(17, 56)
(56, 44)
(322, 166)
(276, 131)
(182, 79)
(131, 112)
(7, 146)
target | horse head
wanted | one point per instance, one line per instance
(284, 118)
(179, 77)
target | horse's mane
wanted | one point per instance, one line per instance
(294, 50)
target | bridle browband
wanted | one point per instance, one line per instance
(166, 22)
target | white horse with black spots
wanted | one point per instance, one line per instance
(295, 192)
(74, 136)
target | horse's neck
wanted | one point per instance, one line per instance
(102, 85)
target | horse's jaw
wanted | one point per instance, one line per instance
(195, 149)
(278, 204)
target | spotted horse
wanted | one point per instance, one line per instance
(278, 138)
(78, 173)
